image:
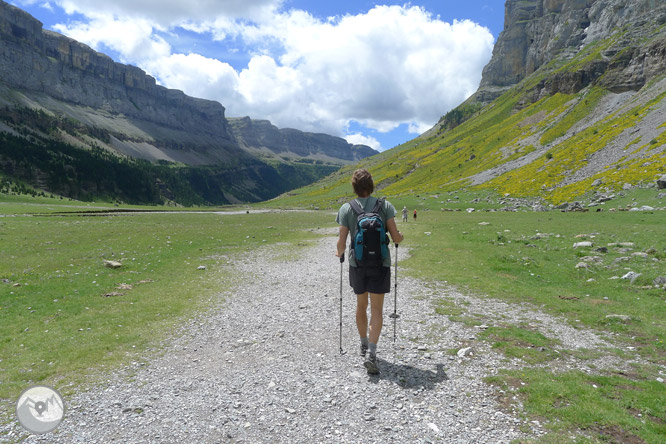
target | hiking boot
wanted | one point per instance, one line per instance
(364, 349)
(371, 364)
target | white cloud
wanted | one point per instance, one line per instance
(360, 139)
(133, 38)
(418, 128)
(390, 66)
(197, 75)
(170, 12)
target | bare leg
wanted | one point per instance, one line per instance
(362, 314)
(376, 316)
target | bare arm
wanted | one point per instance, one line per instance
(342, 240)
(396, 236)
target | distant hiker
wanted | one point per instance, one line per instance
(369, 274)
(404, 214)
(415, 215)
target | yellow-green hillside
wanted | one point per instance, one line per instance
(554, 147)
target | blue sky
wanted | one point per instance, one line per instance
(378, 73)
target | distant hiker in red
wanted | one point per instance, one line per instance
(414, 214)
(369, 258)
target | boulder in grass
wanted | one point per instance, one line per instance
(112, 264)
(618, 317)
(467, 351)
(661, 182)
(631, 276)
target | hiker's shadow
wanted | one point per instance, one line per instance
(409, 377)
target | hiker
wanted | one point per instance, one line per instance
(404, 214)
(372, 281)
(414, 215)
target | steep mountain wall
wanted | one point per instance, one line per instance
(76, 123)
(36, 60)
(45, 70)
(261, 134)
(536, 32)
(571, 106)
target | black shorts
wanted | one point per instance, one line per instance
(373, 279)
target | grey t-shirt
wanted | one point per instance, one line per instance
(347, 218)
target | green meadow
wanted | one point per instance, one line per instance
(65, 318)
(529, 257)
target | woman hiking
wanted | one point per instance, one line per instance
(374, 281)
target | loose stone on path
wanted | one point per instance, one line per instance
(264, 366)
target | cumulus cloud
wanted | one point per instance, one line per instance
(197, 75)
(390, 66)
(360, 139)
(169, 12)
(133, 38)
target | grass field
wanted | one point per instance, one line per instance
(529, 257)
(64, 316)
(57, 327)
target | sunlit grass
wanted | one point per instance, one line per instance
(63, 314)
(528, 257)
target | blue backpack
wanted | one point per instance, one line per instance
(370, 245)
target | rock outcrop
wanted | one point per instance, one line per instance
(537, 32)
(40, 61)
(261, 135)
(45, 70)
(661, 182)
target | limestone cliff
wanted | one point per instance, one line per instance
(262, 136)
(541, 32)
(571, 104)
(39, 61)
(40, 69)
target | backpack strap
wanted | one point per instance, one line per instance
(358, 210)
(376, 209)
(378, 205)
(356, 207)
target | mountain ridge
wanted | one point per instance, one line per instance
(572, 106)
(537, 32)
(260, 135)
(139, 119)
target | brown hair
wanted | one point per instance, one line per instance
(362, 183)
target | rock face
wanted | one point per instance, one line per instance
(262, 135)
(43, 69)
(538, 31)
(41, 61)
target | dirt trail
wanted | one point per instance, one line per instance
(265, 367)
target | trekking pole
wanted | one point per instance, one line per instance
(395, 315)
(342, 259)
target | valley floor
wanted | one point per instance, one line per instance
(266, 367)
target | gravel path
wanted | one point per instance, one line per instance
(265, 367)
